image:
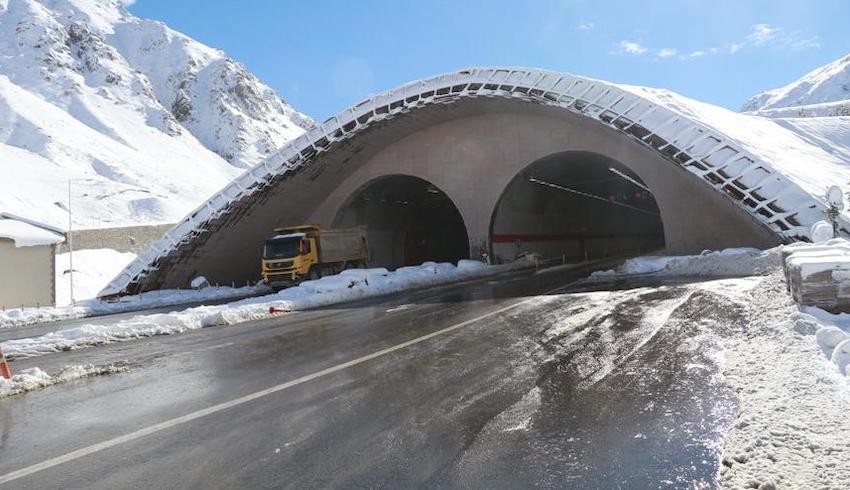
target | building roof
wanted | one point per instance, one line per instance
(28, 233)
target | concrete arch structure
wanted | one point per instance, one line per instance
(469, 133)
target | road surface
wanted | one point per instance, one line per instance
(501, 383)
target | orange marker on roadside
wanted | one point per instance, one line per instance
(5, 371)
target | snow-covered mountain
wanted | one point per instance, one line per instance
(145, 121)
(824, 91)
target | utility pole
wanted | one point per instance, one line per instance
(70, 245)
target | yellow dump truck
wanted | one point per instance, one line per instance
(297, 253)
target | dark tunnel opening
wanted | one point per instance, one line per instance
(409, 221)
(576, 206)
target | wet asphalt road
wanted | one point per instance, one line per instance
(498, 400)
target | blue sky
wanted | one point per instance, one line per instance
(324, 55)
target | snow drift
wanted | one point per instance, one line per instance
(35, 378)
(728, 262)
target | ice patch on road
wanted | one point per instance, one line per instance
(35, 379)
(519, 415)
(623, 323)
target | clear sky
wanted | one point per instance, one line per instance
(324, 55)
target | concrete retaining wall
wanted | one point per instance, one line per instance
(124, 239)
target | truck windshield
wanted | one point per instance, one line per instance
(277, 249)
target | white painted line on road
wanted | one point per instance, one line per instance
(94, 448)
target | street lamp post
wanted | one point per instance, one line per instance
(70, 245)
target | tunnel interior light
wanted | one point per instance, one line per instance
(629, 179)
(608, 200)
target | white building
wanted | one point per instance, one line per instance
(27, 262)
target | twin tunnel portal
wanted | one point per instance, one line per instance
(500, 180)
(464, 176)
(571, 205)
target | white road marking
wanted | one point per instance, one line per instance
(152, 429)
(399, 308)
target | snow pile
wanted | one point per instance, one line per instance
(831, 332)
(791, 430)
(821, 232)
(349, 285)
(93, 269)
(728, 262)
(18, 317)
(147, 121)
(355, 284)
(35, 379)
(827, 84)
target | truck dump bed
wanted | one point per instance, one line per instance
(338, 245)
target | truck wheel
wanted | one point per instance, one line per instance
(314, 274)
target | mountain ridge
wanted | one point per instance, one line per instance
(824, 91)
(144, 121)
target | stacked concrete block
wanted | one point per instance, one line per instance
(819, 275)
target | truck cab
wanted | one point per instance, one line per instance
(290, 255)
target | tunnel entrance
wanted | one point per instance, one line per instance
(409, 221)
(575, 206)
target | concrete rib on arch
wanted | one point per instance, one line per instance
(720, 162)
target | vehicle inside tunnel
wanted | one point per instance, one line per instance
(408, 221)
(575, 206)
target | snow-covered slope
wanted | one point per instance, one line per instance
(146, 121)
(813, 153)
(824, 91)
(816, 110)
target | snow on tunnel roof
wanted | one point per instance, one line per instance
(813, 153)
(26, 233)
(776, 171)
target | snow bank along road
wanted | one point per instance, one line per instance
(490, 384)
